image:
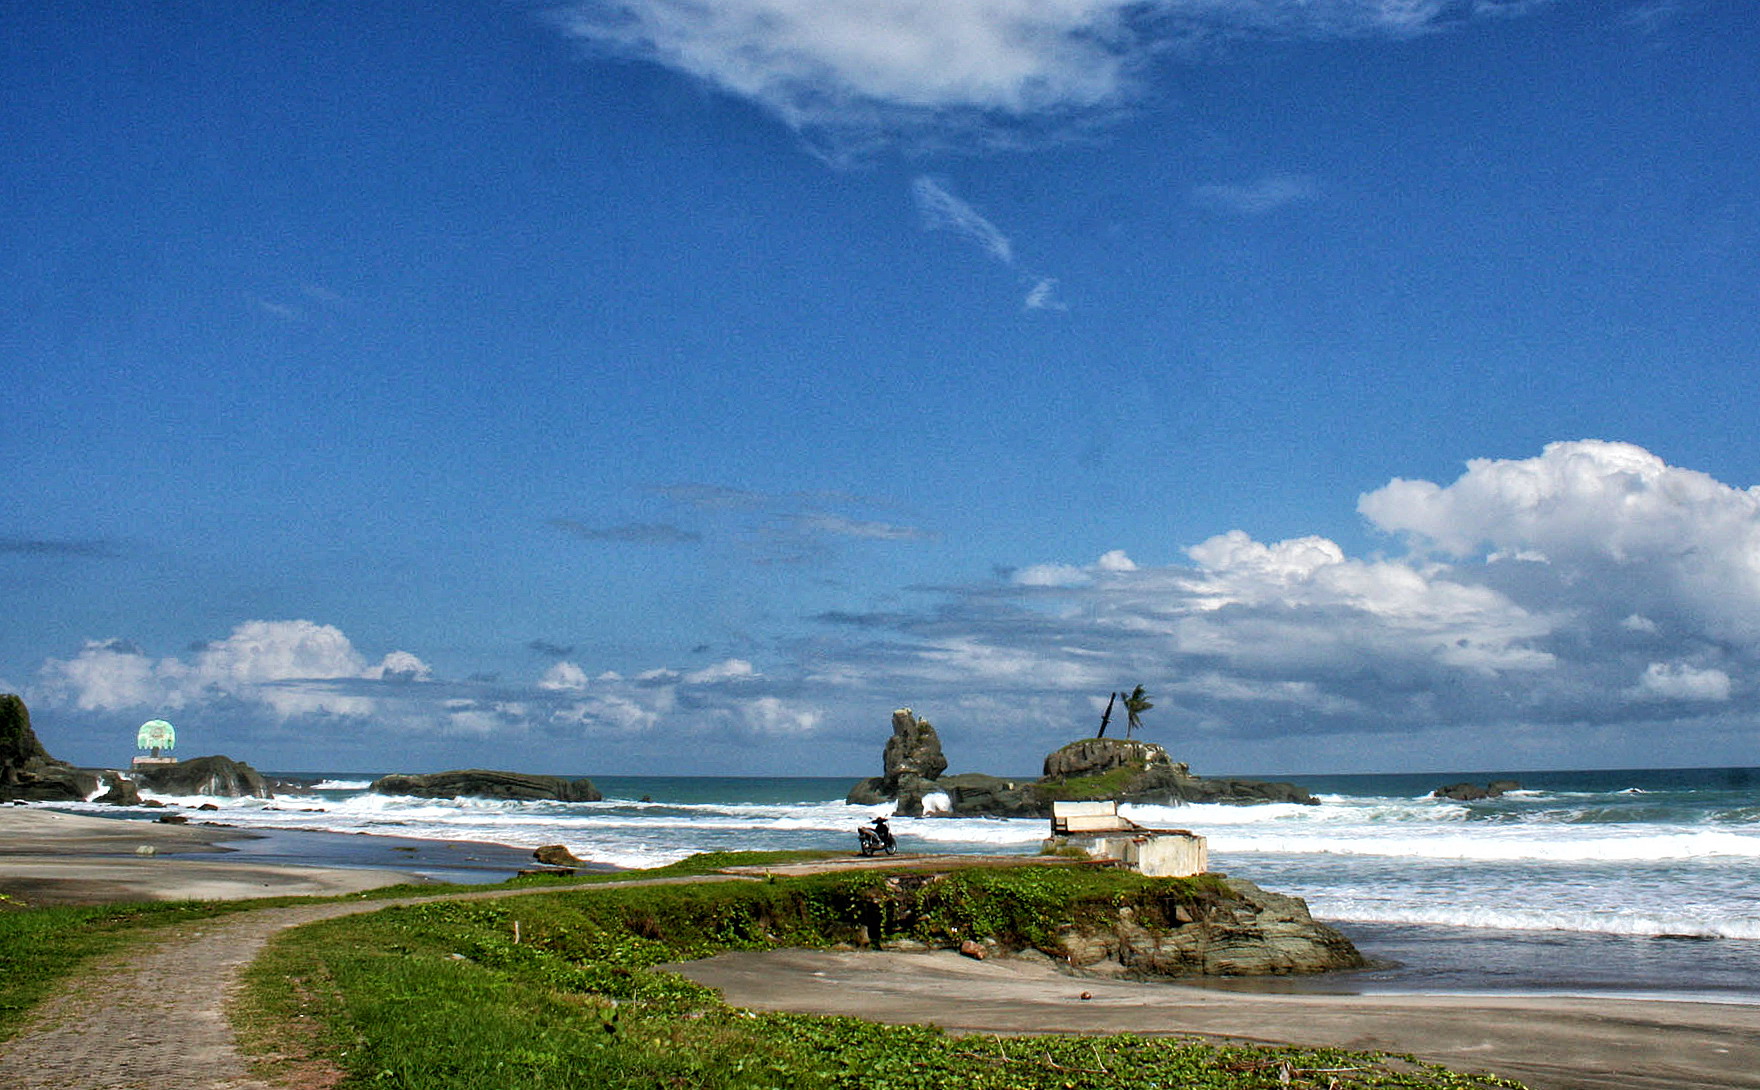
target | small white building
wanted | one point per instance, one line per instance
(1098, 829)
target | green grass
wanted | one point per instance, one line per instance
(559, 991)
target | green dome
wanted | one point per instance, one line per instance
(156, 734)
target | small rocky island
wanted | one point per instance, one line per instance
(488, 784)
(1101, 769)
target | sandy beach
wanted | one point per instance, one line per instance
(1551, 1043)
(47, 857)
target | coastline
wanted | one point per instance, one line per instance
(52, 857)
(1548, 1042)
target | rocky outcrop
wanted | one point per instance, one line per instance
(1111, 769)
(555, 855)
(911, 763)
(1211, 926)
(213, 775)
(976, 793)
(1472, 792)
(482, 783)
(1130, 771)
(121, 791)
(27, 772)
(1247, 931)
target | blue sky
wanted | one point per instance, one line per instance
(653, 386)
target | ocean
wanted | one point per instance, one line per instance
(1637, 883)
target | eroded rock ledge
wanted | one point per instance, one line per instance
(1207, 926)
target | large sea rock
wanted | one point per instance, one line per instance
(212, 775)
(27, 772)
(1246, 931)
(1127, 770)
(487, 784)
(910, 765)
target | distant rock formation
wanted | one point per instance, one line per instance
(1131, 771)
(1472, 792)
(27, 772)
(911, 762)
(213, 775)
(483, 783)
(1115, 769)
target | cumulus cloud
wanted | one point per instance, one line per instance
(1539, 598)
(838, 68)
(1671, 542)
(290, 668)
(1681, 681)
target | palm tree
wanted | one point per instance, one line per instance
(1135, 705)
(1107, 718)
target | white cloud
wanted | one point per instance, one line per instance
(903, 65)
(1668, 539)
(105, 677)
(292, 668)
(942, 211)
(730, 670)
(563, 675)
(1680, 681)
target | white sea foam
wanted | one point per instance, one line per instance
(1505, 918)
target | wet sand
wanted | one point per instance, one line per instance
(47, 857)
(1548, 1042)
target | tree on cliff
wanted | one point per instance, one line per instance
(1135, 705)
(1107, 718)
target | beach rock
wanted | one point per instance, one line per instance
(211, 775)
(973, 950)
(27, 772)
(122, 790)
(482, 783)
(1472, 792)
(173, 819)
(976, 793)
(1246, 931)
(555, 855)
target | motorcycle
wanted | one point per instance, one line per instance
(876, 838)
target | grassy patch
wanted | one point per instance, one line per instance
(558, 991)
(1106, 785)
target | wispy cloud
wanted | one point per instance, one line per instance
(554, 650)
(942, 211)
(1043, 295)
(839, 526)
(1258, 197)
(634, 533)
